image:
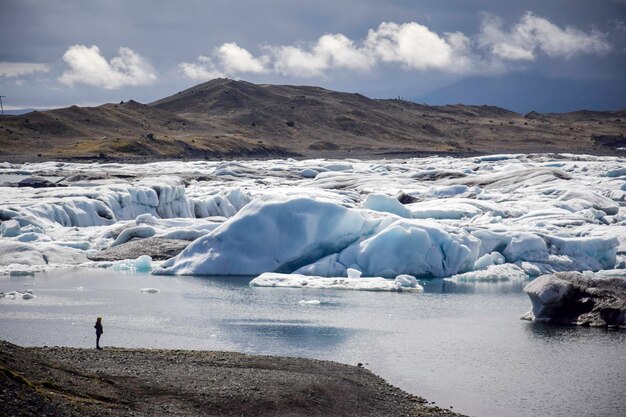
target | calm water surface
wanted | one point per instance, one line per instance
(459, 345)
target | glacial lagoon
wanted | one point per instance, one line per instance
(459, 344)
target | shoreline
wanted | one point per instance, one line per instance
(328, 155)
(121, 381)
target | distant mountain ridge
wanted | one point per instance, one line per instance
(226, 118)
(548, 95)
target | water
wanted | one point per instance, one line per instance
(456, 344)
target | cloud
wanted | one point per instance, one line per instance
(331, 51)
(18, 69)
(228, 59)
(234, 59)
(411, 46)
(203, 70)
(88, 66)
(532, 34)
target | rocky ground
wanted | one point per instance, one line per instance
(158, 249)
(58, 381)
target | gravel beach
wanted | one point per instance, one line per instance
(55, 381)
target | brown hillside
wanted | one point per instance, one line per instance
(226, 118)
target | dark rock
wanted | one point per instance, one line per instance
(36, 182)
(405, 198)
(578, 298)
(324, 146)
(155, 247)
(611, 141)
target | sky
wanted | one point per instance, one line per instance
(59, 53)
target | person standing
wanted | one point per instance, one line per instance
(99, 332)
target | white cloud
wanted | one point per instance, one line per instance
(235, 59)
(203, 70)
(88, 66)
(331, 51)
(411, 45)
(19, 69)
(228, 59)
(532, 34)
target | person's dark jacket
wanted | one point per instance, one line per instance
(98, 328)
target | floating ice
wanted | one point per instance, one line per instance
(436, 209)
(18, 295)
(542, 213)
(617, 172)
(527, 247)
(362, 284)
(150, 290)
(18, 258)
(310, 302)
(141, 264)
(493, 273)
(139, 232)
(353, 273)
(582, 199)
(488, 259)
(545, 293)
(9, 228)
(407, 281)
(405, 247)
(386, 204)
(271, 235)
(309, 173)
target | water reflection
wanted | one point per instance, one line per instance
(444, 286)
(226, 282)
(552, 332)
(435, 285)
(286, 335)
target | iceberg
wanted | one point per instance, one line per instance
(386, 204)
(412, 247)
(578, 298)
(9, 228)
(271, 234)
(139, 232)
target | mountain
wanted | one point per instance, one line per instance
(225, 118)
(17, 112)
(524, 93)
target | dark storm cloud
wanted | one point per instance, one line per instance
(67, 52)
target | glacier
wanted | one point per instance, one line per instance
(466, 219)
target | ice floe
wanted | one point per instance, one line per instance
(400, 284)
(18, 295)
(141, 264)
